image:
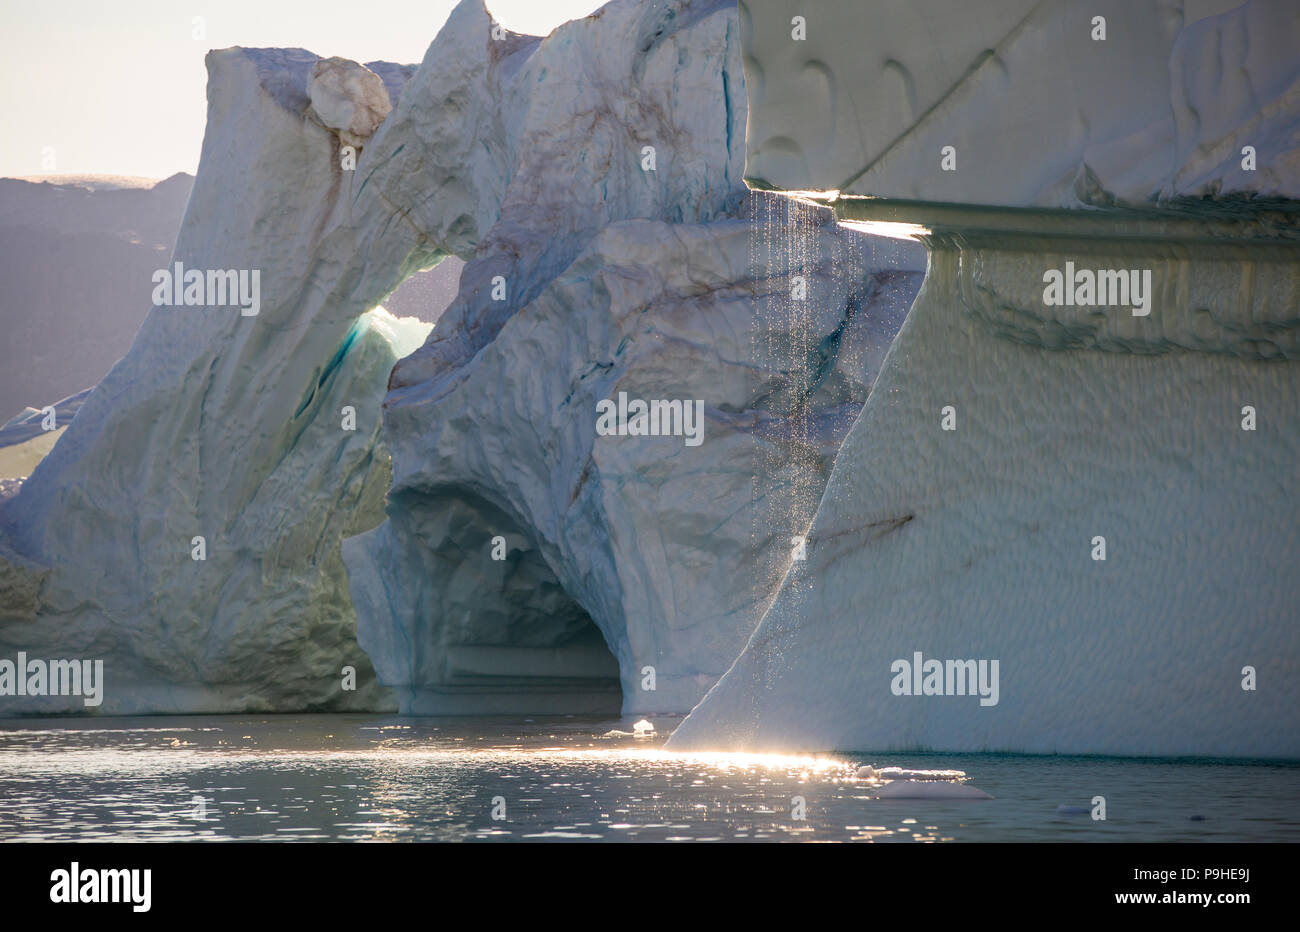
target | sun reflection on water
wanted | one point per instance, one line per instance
(357, 778)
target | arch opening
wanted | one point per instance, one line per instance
(495, 632)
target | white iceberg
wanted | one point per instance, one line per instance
(616, 268)
(1094, 498)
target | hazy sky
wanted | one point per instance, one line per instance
(119, 86)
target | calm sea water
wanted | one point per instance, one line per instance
(370, 778)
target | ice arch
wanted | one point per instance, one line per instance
(614, 278)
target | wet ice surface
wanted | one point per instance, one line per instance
(370, 778)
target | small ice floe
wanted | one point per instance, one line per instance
(898, 773)
(641, 729)
(900, 783)
(867, 772)
(928, 789)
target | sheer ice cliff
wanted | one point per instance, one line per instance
(1069, 422)
(528, 159)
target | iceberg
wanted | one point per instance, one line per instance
(629, 566)
(1092, 497)
(1066, 464)
(185, 528)
(244, 496)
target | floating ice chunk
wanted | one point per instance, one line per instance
(868, 772)
(640, 729)
(898, 773)
(929, 789)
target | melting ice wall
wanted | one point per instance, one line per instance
(1009, 442)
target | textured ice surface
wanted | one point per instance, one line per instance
(1037, 111)
(348, 98)
(660, 544)
(619, 279)
(524, 157)
(230, 428)
(1071, 423)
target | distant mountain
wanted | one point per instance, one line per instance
(76, 256)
